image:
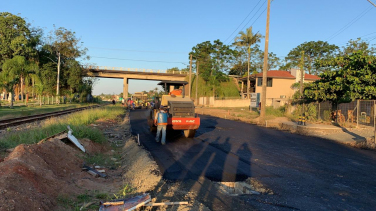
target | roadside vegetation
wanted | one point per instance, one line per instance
(77, 121)
(33, 65)
(21, 111)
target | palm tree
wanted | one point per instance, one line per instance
(247, 39)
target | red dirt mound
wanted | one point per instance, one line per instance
(92, 147)
(32, 176)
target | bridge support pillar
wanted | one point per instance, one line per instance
(125, 89)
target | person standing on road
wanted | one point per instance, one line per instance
(160, 121)
(157, 104)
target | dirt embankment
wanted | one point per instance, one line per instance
(34, 177)
(49, 176)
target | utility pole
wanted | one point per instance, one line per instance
(190, 76)
(58, 79)
(196, 100)
(372, 3)
(301, 84)
(248, 82)
(265, 68)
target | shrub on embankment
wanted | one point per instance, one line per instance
(77, 121)
(225, 88)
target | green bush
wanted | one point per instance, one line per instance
(327, 115)
(311, 111)
(77, 121)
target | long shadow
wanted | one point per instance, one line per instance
(197, 162)
(356, 136)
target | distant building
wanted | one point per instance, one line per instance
(278, 85)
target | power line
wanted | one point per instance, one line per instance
(136, 60)
(243, 20)
(252, 18)
(258, 17)
(117, 49)
(350, 23)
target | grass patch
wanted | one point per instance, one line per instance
(102, 160)
(21, 111)
(275, 112)
(92, 197)
(71, 203)
(124, 192)
(77, 121)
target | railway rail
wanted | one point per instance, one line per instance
(22, 120)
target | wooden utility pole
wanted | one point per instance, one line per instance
(302, 81)
(58, 78)
(248, 82)
(371, 3)
(190, 77)
(265, 68)
(196, 100)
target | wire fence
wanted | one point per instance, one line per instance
(360, 112)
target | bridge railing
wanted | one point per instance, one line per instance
(137, 70)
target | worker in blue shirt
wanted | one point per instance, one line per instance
(160, 121)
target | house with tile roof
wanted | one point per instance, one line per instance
(279, 85)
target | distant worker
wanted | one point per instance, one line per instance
(160, 120)
(157, 104)
(113, 102)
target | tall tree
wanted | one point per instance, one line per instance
(314, 50)
(214, 61)
(358, 45)
(353, 77)
(14, 35)
(246, 40)
(64, 45)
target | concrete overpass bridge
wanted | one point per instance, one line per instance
(134, 73)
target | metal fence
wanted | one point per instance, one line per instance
(360, 112)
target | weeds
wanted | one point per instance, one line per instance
(276, 112)
(77, 121)
(100, 160)
(103, 196)
(124, 192)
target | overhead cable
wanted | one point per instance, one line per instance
(141, 51)
(136, 60)
(243, 20)
(251, 19)
(350, 23)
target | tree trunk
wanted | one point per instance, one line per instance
(11, 99)
(22, 88)
(58, 78)
(26, 94)
(32, 90)
(40, 100)
(18, 93)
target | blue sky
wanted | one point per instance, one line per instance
(167, 30)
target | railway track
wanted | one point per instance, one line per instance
(22, 120)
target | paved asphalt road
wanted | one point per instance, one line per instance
(304, 173)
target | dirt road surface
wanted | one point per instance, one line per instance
(301, 172)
